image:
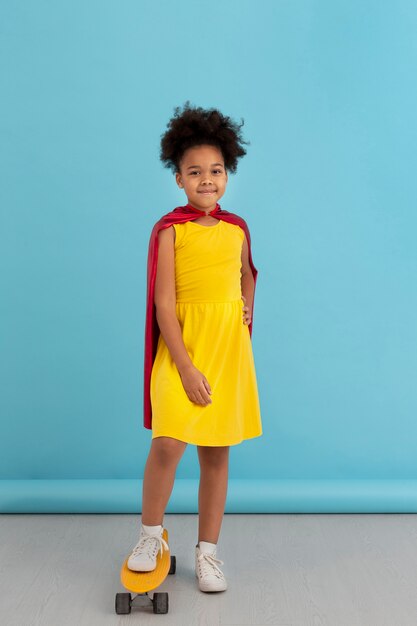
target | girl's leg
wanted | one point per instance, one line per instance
(159, 477)
(214, 468)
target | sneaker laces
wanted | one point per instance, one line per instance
(151, 544)
(208, 565)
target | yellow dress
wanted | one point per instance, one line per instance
(209, 310)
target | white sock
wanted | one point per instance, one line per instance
(207, 547)
(152, 530)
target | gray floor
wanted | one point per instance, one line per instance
(282, 570)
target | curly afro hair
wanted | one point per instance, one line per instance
(195, 126)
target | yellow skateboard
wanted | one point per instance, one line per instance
(142, 582)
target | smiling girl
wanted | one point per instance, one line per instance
(200, 382)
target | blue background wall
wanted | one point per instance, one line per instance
(328, 94)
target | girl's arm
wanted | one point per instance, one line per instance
(165, 299)
(247, 284)
(194, 382)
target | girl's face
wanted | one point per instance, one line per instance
(203, 176)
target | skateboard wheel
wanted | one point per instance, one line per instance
(160, 602)
(173, 565)
(123, 603)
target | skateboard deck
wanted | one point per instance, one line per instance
(140, 582)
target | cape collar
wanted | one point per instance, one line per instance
(192, 209)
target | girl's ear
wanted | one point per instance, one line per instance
(179, 180)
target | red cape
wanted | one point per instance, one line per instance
(177, 216)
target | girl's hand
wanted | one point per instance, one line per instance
(247, 318)
(196, 385)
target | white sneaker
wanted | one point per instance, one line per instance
(143, 557)
(210, 577)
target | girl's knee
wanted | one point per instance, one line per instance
(213, 456)
(168, 449)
